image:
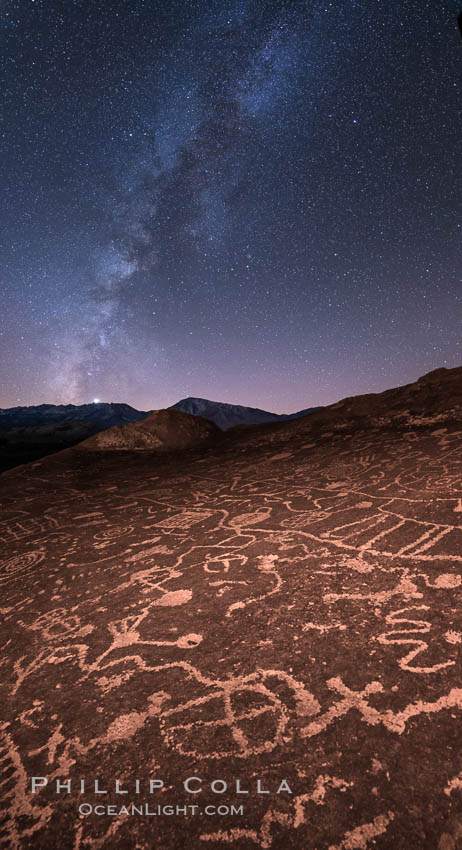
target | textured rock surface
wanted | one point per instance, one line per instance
(282, 604)
(163, 430)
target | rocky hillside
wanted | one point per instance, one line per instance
(161, 430)
(276, 612)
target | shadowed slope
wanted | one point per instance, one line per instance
(163, 430)
(28, 433)
(283, 605)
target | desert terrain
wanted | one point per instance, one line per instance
(277, 606)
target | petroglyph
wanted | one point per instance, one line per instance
(419, 646)
(286, 606)
(360, 837)
(22, 818)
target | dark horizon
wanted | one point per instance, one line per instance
(223, 201)
(235, 403)
(273, 606)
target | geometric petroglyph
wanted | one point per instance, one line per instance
(288, 608)
(228, 720)
(20, 566)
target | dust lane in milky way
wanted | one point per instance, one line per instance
(257, 203)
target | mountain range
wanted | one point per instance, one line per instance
(27, 433)
(229, 415)
(265, 608)
(101, 415)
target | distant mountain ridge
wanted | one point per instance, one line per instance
(103, 414)
(28, 433)
(184, 575)
(228, 415)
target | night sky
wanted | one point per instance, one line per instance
(250, 201)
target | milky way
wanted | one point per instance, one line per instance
(252, 202)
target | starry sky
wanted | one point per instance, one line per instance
(257, 202)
